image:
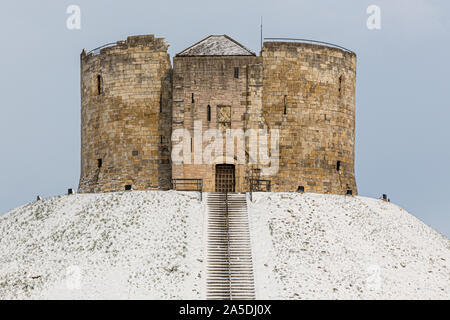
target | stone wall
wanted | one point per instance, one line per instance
(129, 117)
(199, 82)
(126, 116)
(317, 125)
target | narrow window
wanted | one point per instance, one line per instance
(192, 146)
(338, 166)
(340, 84)
(193, 100)
(161, 139)
(285, 104)
(99, 163)
(99, 85)
(236, 72)
(160, 103)
(208, 112)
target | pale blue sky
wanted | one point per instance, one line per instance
(403, 87)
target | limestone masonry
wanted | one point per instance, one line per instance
(134, 104)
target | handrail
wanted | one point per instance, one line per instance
(197, 185)
(312, 41)
(103, 46)
(258, 183)
(228, 245)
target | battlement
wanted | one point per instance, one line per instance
(145, 41)
(304, 45)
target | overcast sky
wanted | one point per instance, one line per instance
(402, 103)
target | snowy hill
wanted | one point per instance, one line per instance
(315, 246)
(112, 246)
(150, 245)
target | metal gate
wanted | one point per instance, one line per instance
(225, 178)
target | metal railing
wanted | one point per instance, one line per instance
(97, 50)
(258, 185)
(310, 41)
(227, 222)
(188, 185)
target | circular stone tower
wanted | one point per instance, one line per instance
(125, 116)
(309, 96)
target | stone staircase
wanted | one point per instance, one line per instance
(229, 255)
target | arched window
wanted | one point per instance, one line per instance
(208, 112)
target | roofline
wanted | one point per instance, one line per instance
(217, 35)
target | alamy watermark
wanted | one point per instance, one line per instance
(73, 22)
(373, 281)
(374, 19)
(253, 147)
(73, 278)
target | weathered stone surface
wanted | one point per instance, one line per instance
(211, 81)
(318, 129)
(126, 122)
(305, 91)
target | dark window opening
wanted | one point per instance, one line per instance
(208, 112)
(338, 166)
(160, 103)
(128, 187)
(340, 84)
(301, 189)
(192, 146)
(135, 152)
(192, 98)
(99, 163)
(349, 192)
(236, 72)
(161, 139)
(285, 104)
(99, 85)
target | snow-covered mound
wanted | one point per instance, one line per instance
(150, 244)
(117, 245)
(311, 246)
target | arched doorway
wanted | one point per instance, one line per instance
(225, 178)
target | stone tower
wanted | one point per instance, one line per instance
(210, 84)
(126, 116)
(308, 93)
(133, 106)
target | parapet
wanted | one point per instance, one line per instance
(149, 41)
